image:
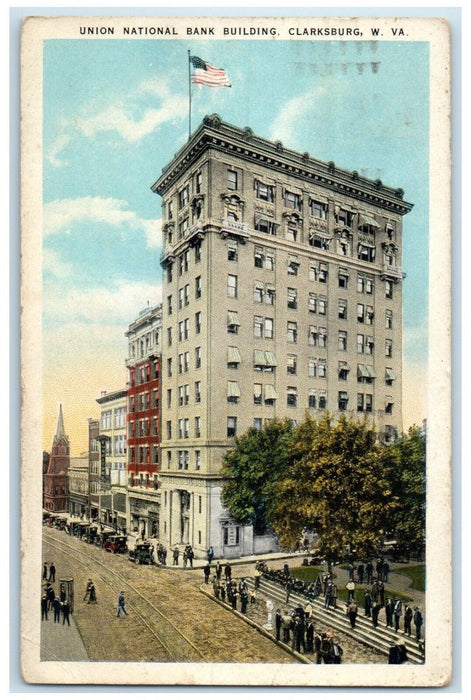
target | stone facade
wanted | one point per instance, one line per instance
(282, 292)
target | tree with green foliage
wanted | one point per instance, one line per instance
(253, 469)
(335, 484)
(407, 479)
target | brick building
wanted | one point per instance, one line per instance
(55, 498)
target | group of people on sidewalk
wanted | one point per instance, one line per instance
(58, 605)
(297, 627)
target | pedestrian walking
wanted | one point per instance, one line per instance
(381, 592)
(286, 626)
(310, 636)
(218, 570)
(374, 591)
(298, 634)
(397, 652)
(328, 595)
(57, 610)
(397, 613)
(185, 557)
(361, 572)
(257, 576)
(289, 588)
(120, 606)
(368, 602)
(389, 608)
(369, 571)
(176, 554)
(375, 610)
(206, 571)
(244, 601)
(215, 585)
(52, 572)
(50, 595)
(352, 613)
(62, 593)
(210, 554)
(86, 597)
(278, 618)
(65, 613)
(386, 569)
(408, 615)
(351, 590)
(44, 608)
(92, 597)
(227, 570)
(45, 571)
(351, 570)
(418, 622)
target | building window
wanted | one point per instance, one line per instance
(292, 396)
(170, 210)
(317, 240)
(369, 316)
(197, 392)
(293, 265)
(292, 200)
(198, 357)
(265, 192)
(169, 304)
(197, 426)
(265, 226)
(270, 260)
(388, 319)
(344, 369)
(257, 394)
(258, 291)
(258, 257)
(312, 303)
(258, 327)
(268, 328)
(169, 273)
(270, 294)
(342, 340)
(183, 227)
(198, 322)
(292, 298)
(322, 338)
(232, 322)
(197, 248)
(317, 209)
(197, 460)
(366, 253)
(231, 426)
(360, 342)
(389, 290)
(292, 234)
(360, 313)
(232, 253)
(369, 286)
(169, 430)
(232, 286)
(198, 287)
(312, 399)
(232, 179)
(291, 364)
(322, 400)
(343, 278)
(390, 376)
(388, 348)
(342, 400)
(343, 308)
(344, 217)
(369, 345)
(257, 423)
(183, 196)
(312, 367)
(322, 306)
(292, 332)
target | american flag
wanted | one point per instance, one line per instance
(206, 74)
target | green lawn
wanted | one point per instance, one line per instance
(416, 572)
(307, 573)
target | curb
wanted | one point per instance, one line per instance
(299, 657)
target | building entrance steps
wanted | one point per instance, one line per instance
(379, 637)
(60, 642)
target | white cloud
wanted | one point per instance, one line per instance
(53, 263)
(119, 118)
(293, 113)
(60, 214)
(99, 306)
(61, 142)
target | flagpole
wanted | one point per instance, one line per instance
(189, 96)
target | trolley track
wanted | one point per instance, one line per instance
(169, 637)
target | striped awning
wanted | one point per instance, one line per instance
(233, 354)
(344, 365)
(233, 389)
(362, 371)
(371, 371)
(270, 358)
(270, 393)
(233, 318)
(368, 220)
(390, 374)
(259, 358)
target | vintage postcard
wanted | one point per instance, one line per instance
(236, 351)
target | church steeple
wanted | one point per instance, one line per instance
(60, 432)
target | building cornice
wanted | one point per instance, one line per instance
(213, 133)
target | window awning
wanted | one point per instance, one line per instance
(390, 374)
(293, 259)
(259, 285)
(371, 371)
(344, 365)
(388, 400)
(233, 318)
(270, 393)
(259, 358)
(233, 389)
(270, 358)
(362, 371)
(233, 354)
(368, 220)
(270, 287)
(344, 271)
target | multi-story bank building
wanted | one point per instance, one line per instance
(282, 291)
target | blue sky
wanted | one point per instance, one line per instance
(115, 112)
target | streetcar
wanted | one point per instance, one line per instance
(143, 553)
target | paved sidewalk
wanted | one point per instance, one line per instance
(60, 642)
